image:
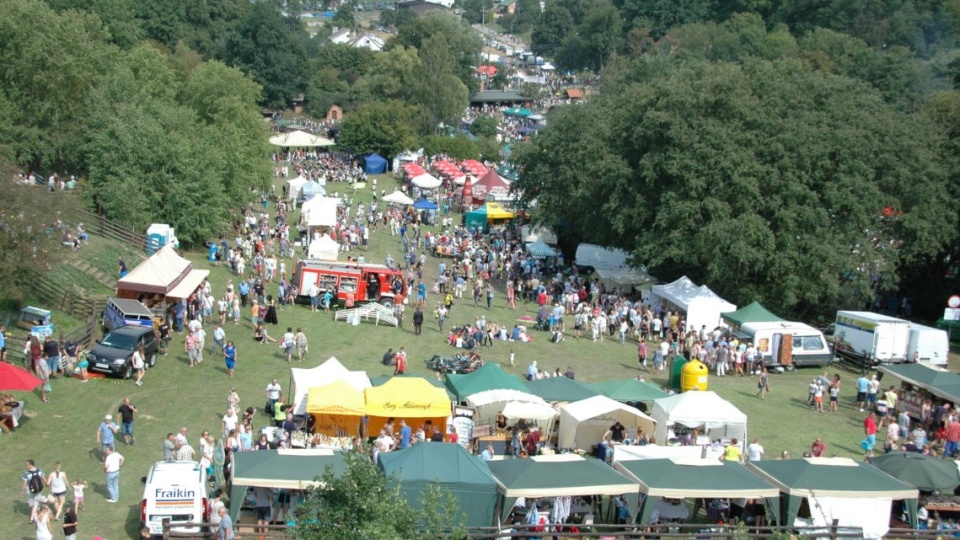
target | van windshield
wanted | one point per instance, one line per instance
(120, 341)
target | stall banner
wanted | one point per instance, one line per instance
(463, 425)
(42, 330)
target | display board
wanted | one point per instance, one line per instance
(463, 425)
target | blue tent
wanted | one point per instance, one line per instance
(374, 164)
(425, 204)
(311, 190)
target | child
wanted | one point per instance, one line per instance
(78, 487)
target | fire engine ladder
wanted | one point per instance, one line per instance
(378, 313)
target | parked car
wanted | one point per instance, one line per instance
(113, 354)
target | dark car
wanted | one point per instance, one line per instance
(114, 353)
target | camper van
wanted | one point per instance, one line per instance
(788, 344)
(928, 344)
(174, 490)
(121, 312)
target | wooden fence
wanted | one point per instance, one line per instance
(101, 226)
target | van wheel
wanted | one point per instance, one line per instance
(127, 371)
(791, 367)
(387, 302)
(153, 360)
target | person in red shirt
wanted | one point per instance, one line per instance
(818, 448)
(401, 359)
(953, 438)
(870, 430)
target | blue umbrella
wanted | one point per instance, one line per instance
(424, 204)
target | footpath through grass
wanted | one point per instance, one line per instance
(175, 395)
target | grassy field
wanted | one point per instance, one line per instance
(175, 395)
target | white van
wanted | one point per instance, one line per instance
(176, 490)
(806, 346)
(928, 344)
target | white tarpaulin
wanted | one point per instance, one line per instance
(528, 411)
(398, 197)
(294, 186)
(622, 452)
(702, 410)
(870, 514)
(302, 380)
(320, 212)
(323, 248)
(583, 423)
(702, 306)
(601, 258)
(491, 402)
(300, 139)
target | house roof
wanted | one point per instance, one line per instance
(499, 96)
(574, 93)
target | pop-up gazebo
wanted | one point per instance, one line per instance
(713, 415)
(857, 494)
(558, 475)
(285, 469)
(337, 408)
(560, 389)
(412, 399)
(374, 164)
(488, 377)
(451, 467)
(629, 390)
(583, 423)
(747, 314)
(693, 479)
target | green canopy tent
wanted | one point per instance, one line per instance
(629, 390)
(465, 476)
(943, 384)
(285, 469)
(747, 314)
(520, 112)
(694, 479)
(823, 479)
(487, 377)
(558, 475)
(560, 389)
(380, 381)
(540, 250)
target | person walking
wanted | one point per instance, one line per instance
(42, 523)
(111, 469)
(755, 450)
(763, 384)
(106, 433)
(225, 531)
(139, 366)
(302, 346)
(273, 395)
(288, 342)
(418, 320)
(870, 435)
(400, 362)
(33, 484)
(70, 523)
(57, 482)
(126, 412)
(818, 448)
(230, 357)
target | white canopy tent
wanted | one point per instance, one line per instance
(319, 212)
(702, 306)
(323, 248)
(300, 139)
(527, 410)
(302, 380)
(294, 186)
(491, 402)
(601, 258)
(623, 452)
(703, 410)
(398, 197)
(583, 423)
(426, 181)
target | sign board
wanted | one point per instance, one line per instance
(42, 330)
(462, 424)
(951, 314)
(482, 430)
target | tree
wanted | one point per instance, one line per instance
(360, 503)
(659, 16)
(440, 94)
(383, 127)
(264, 45)
(26, 244)
(767, 180)
(554, 25)
(344, 18)
(463, 41)
(119, 17)
(484, 126)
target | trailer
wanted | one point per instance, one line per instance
(788, 344)
(870, 338)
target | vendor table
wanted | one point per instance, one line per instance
(668, 511)
(12, 417)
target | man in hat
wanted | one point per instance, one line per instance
(106, 433)
(532, 371)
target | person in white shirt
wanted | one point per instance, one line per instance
(273, 395)
(755, 450)
(230, 421)
(112, 462)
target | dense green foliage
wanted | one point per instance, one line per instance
(360, 503)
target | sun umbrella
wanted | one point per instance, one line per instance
(922, 472)
(13, 378)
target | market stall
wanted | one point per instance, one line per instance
(336, 408)
(557, 476)
(449, 466)
(701, 305)
(920, 382)
(490, 186)
(381, 380)
(695, 479)
(630, 390)
(164, 275)
(323, 248)
(487, 377)
(374, 164)
(560, 389)
(712, 415)
(294, 186)
(283, 469)
(748, 314)
(489, 214)
(583, 423)
(490, 402)
(853, 493)
(302, 380)
(407, 398)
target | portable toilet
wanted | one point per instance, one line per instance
(694, 376)
(676, 372)
(159, 235)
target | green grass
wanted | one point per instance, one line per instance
(176, 395)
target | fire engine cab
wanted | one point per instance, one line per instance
(350, 282)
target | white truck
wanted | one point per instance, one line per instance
(788, 344)
(871, 338)
(174, 490)
(928, 344)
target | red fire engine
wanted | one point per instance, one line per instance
(350, 282)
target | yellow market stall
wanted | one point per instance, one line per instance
(489, 214)
(337, 409)
(412, 399)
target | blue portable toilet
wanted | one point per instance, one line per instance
(159, 235)
(212, 255)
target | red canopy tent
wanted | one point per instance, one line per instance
(490, 184)
(474, 167)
